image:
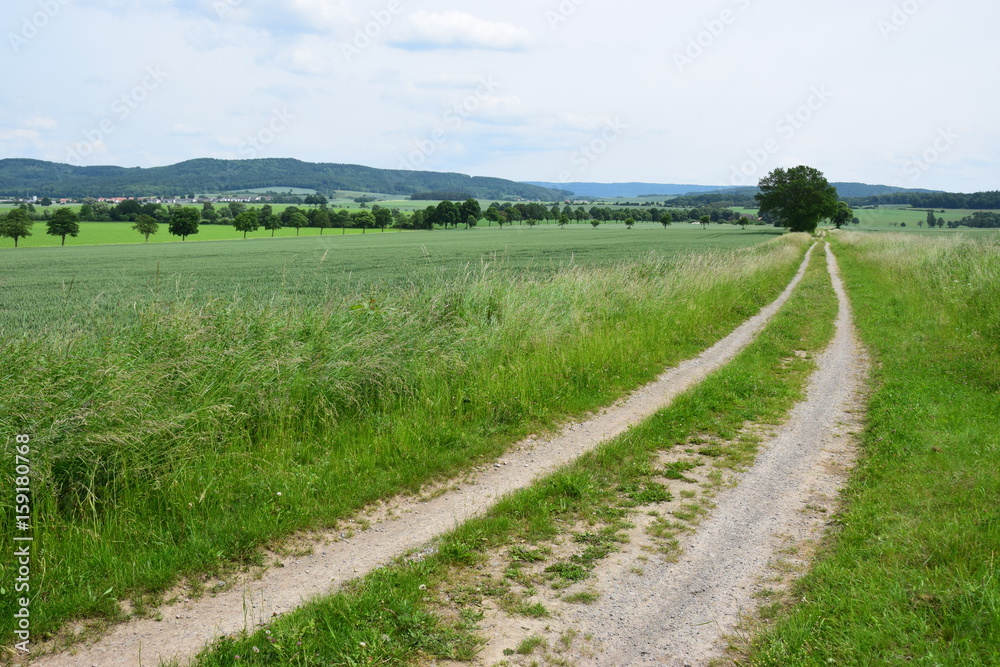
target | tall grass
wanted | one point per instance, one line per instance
(912, 575)
(184, 438)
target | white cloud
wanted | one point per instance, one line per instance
(41, 123)
(309, 54)
(458, 30)
(190, 130)
(11, 135)
(322, 13)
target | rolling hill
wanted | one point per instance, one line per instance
(50, 179)
(677, 189)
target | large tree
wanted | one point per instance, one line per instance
(447, 213)
(64, 223)
(184, 221)
(363, 219)
(843, 216)
(146, 225)
(471, 207)
(383, 218)
(319, 218)
(272, 223)
(298, 220)
(16, 225)
(799, 197)
(246, 221)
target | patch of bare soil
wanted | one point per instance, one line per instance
(392, 529)
(689, 584)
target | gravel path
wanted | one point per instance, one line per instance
(678, 613)
(396, 528)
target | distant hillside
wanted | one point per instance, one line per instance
(50, 179)
(865, 190)
(611, 190)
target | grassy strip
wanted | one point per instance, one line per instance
(395, 615)
(912, 575)
(179, 441)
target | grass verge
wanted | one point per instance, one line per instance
(554, 533)
(175, 443)
(912, 575)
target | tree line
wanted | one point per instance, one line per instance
(936, 200)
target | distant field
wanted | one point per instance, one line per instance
(114, 233)
(890, 218)
(46, 285)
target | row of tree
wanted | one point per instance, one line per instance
(17, 224)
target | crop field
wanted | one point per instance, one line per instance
(44, 286)
(190, 403)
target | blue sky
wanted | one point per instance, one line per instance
(714, 92)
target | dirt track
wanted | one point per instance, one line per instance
(678, 613)
(760, 534)
(409, 523)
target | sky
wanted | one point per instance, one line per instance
(895, 92)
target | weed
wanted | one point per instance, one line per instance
(529, 644)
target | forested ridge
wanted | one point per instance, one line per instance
(50, 179)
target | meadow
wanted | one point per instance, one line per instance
(909, 574)
(189, 403)
(121, 233)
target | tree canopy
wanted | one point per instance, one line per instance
(64, 223)
(843, 216)
(16, 225)
(799, 197)
(184, 222)
(146, 225)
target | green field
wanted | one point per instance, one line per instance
(119, 233)
(43, 286)
(888, 218)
